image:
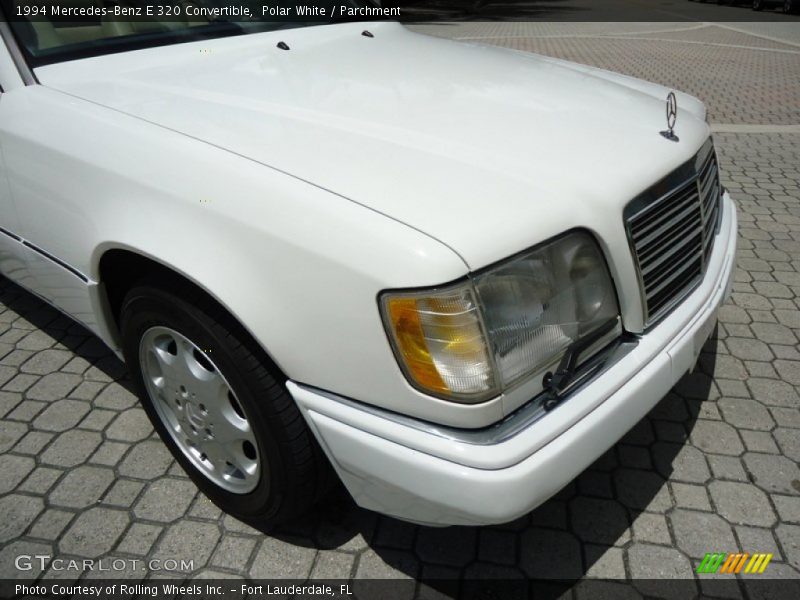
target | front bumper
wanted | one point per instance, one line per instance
(418, 474)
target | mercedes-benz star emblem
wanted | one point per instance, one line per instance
(672, 116)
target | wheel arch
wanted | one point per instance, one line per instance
(118, 269)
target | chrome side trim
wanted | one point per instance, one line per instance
(513, 424)
(25, 72)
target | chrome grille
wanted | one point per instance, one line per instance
(672, 234)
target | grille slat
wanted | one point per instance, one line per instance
(672, 237)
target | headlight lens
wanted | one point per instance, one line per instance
(471, 341)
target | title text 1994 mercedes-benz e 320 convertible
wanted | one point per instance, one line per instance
(457, 274)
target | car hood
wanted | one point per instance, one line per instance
(485, 149)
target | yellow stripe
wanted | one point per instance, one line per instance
(765, 563)
(754, 563)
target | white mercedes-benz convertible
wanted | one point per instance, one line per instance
(453, 275)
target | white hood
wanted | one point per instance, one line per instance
(469, 144)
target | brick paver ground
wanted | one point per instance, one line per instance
(713, 467)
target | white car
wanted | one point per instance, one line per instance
(457, 274)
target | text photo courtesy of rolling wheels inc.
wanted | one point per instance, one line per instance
(409, 299)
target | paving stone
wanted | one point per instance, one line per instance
(742, 503)
(115, 397)
(94, 532)
(36, 340)
(727, 467)
(552, 513)
(772, 473)
(10, 434)
(497, 546)
(680, 462)
(50, 524)
(595, 483)
(547, 554)
(166, 500)
(755, 539)
(234, 553)
(789, 537)
(789, 370)
(773, 392)
(33, 442)
(14, 469)
(54, 386)
(749, 349)
(452, 546)
(649, 564)
(130, 426)
(26, 411)
(97, 419)
(191, 540)
(71, 448)
(147, 460)
(61, 415)
(788, 508)
(759, 441)
(82, 487)
(109, 453)
(789, 441)
(642, 490)
(139, 539)
(604, 562)
(87, 390)
(649, 527)
(279, 559)
(786, 417)
(390, 564)
(8, 402)
(690, 496)
(332, 565)
(716, 437)
(599, 521)
(45, 362)
(693, 530)
(123, 493)
(32, 569)
(774, 333)
(40, 480)
(746, 414)
(18, 513)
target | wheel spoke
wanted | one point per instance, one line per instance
(204, 418)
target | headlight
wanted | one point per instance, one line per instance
(472, 340)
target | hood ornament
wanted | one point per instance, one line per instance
(672, 116)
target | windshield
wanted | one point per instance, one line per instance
(70, 29)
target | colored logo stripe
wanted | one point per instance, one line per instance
(721, 562)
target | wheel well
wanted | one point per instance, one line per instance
(121, 270)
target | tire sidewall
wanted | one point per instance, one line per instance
(147, 308)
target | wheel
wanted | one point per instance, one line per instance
(758, 4)
(220, 405)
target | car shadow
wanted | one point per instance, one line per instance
(63, 330)
(578, 532)
(561, 541)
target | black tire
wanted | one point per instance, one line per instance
(294, 471)
(758, 4)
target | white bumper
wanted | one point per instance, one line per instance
(422, 476)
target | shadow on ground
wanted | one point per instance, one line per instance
(560, 540)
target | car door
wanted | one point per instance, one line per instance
(13, 263)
